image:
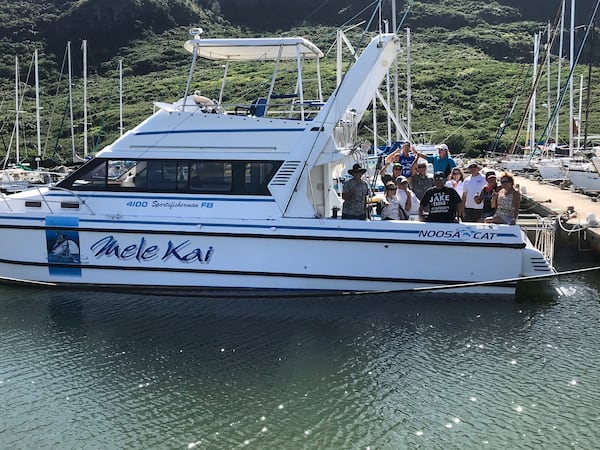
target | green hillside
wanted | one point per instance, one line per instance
(469, 58)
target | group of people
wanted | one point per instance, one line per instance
(449, 196)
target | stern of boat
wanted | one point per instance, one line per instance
(535, 263)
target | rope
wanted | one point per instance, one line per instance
(30, 282)
(575, 228)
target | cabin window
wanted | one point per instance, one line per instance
(163, 176)
(210, 176)
(257, 175)
(101, 174)
(183, 176)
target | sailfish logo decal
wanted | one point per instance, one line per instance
(62, 245)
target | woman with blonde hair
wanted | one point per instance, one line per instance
(506, 201)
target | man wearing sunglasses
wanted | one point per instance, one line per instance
(444, 202)
(420, 181)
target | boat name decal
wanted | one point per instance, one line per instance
(461, 234)
(143, 251)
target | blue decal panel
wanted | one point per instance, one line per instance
(63, 246)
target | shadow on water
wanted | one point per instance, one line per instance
(78, 309)
(206, 321)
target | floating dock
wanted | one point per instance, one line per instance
(578, 214)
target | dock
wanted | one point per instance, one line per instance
(579, 214)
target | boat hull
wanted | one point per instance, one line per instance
(303, 255)
(586, 180)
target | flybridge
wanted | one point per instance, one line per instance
(277, 50)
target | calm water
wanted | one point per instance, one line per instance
(103, 371)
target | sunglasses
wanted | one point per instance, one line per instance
(505, 181)
(438, 178)
(392, 188)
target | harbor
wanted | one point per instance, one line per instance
(577, 214)
(206, 273)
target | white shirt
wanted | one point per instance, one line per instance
(414, 203)
(457, 186)
(471, 187)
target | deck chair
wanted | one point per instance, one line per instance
(258, 108)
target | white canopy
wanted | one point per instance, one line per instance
(253, 49)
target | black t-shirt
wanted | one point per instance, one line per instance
(487, 197)
(442, 204)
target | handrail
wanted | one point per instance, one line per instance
(545, 233)
(79, 199)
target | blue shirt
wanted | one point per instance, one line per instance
(406, 163)
(441, 164)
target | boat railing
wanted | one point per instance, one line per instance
(280, 106)
(541, 231)
(5, 200)
(80, 201)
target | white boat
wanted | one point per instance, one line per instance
(11, 182)
(553, 169)
(201, 195)
(586, 176)
(517, 163)
(18, 178)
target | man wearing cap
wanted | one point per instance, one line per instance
(390, 205)
(402, 161)
(442, 162)
(472, 186)
(355, 194)
(443, 202)
(408, 199)
(486, 195)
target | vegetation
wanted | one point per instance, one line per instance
(469, 59)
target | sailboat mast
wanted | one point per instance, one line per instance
(548, 73)
(408, 87)
(85, 118)
(17, 150)
(579, 113)
(396, 75)
(560, 54)
(532, 108)
(121, 97)
(37, 103)
(571, 64)
(71, 100)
